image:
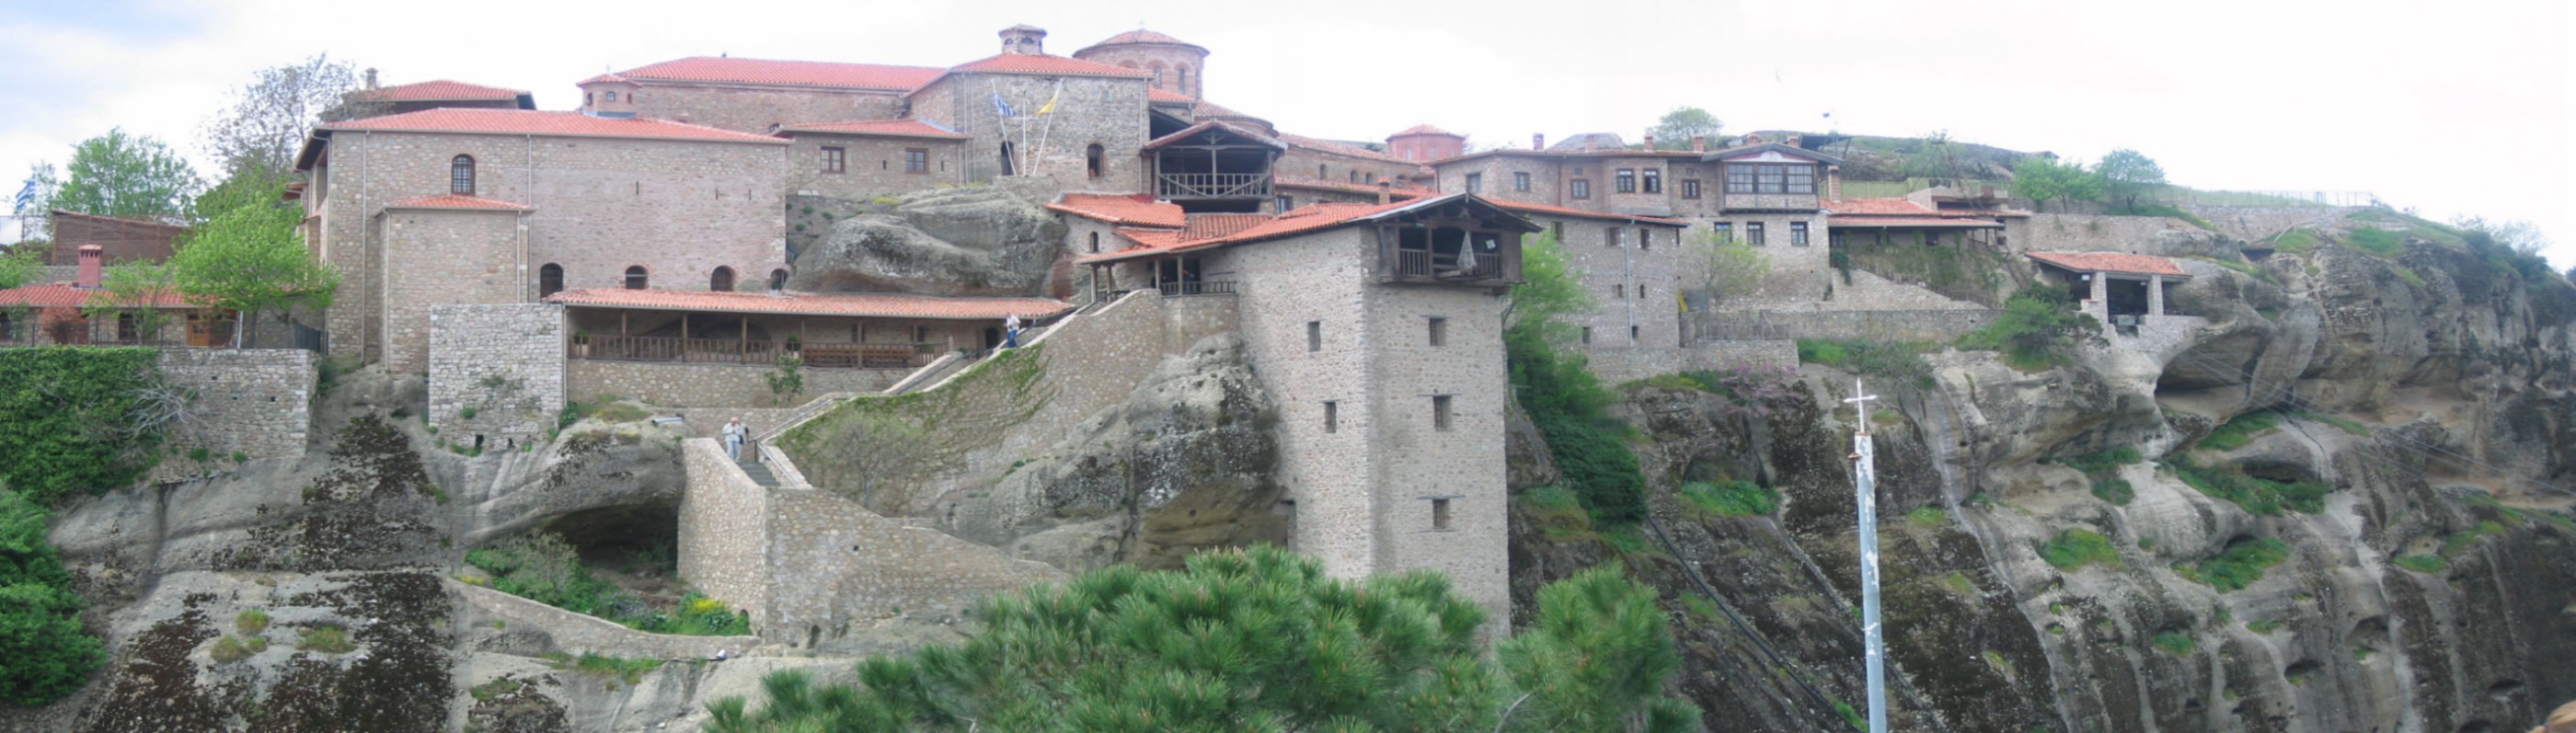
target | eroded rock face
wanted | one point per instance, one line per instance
(1186, 464)
(959, 241)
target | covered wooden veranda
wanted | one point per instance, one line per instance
(825, 330)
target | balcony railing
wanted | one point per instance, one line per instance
(826, 355)
(1213, 185)
(1198, 287)
(1421, 264)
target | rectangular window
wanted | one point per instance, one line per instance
(1332, 417)
(1771, 178)
(1440, 514)
(1624, 181)
(1690, 188)
(1579, 188)
(1440, 412)
(916, 160)
(1439, 331)
(1645, 239)
(836, 160)
(1587, 334)
(1753, 233)
(1723, 231)
(1632, 330)
(1556, 230)
(1797, 234)
(1802, 179)
(1739, 178)
(1475, 183)
(1286, 203)
(1654, 180)
(1610, 237)
(1520, 181)
(1619, 290)
(1314, 336)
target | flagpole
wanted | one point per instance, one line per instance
(1865, 484)
(1046, 131)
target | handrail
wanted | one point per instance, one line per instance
(824, 354)
(1214, 185)
(1198, 287)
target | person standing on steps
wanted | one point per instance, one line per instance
(734, 434)
(1011, 332)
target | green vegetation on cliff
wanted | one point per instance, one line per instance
(1563, 399)
(1258, 640)
(78, 419)
(542, 567)
(40, 633)
(2258, 495)
(2075, 548)
(2239, 566)
(2039, 329)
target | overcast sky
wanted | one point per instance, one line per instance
(2456, 107)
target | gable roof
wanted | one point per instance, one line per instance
(888, 305)
(440, 90)
(1328, 146)
(1205, 126)
(1166, 96)
(2110, 262)
(63, 295)
(1589, 141)
(1793, 151)
(453, 201)
(1897, 206)
(726, 70)
(1038, 63)
(1134, 209)
(524, 122)
(1211, 226)
(879, 128)
(1312, 218)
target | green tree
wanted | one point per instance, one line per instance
(75, 421)
(1597, 659)
(2126, 174)
(2039, 325)
(1564, 400)
(248, 259)
(2040, 179)
(1240, 640)
(1727, 267)
(788, 381)
(1548, 290)
(1675, 130)
(19, 264)
(270, 117)
(132, 290)
(40, 632)
(117, 174)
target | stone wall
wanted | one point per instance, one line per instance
(1636, 289)
(506, 362)
(872, 165)
(2097, 232)
(1938, 325)
(711, 385)
(1090, 110)
(576, 634)
(1615, 366)
(2252, 223)
(724, 520)
(760, 111)
(256, 402)
(446, 257)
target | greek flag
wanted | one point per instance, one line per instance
(1004, 107)
(26, 196)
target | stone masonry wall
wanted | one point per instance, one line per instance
(1632, 286)
(2096, 232)
(445, 257)
(504, 361)
(1107, 111)
(1624, 365)
(575, 633)
(1938, 326)
(758, 111)
(724, 541)
(256, 402)
(2252, 223)
(711, 385)
(872, 165)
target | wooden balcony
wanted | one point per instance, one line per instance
(1197, 287)
(822, 355)
(1413, 265)
(1212, 185)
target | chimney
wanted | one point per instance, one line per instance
(1834, 183)
(1699, 143)
(1538, 141)
(1753, 138)
(1385, 191)
(371, 78)
(1650, 139)
(1793, 140)
(89, 274)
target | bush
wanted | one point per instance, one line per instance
(2376, 241)
(326, 639)
(2427, 564)
(2076, 548)
(1565, 402)
(2104, 461)
(228, 650)
(2176, 643)
(542, 567)
(465, 414)
(1550, 497)
(2240, 431)
(1730, 499)
(40, 634)
(2116, 491)
(74, 420)
(1928, 517)
(251, 622)
(2239, 566)
(2039, 329)
(2258, 495)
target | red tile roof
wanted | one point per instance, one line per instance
(63, 295)
(453, 201)
(788, 73)
(439, 90)
(1141, 35)
(1138, 209)
(1159, 94)
(1562, 211)
(1898, 206)
(1303, 219)
(1211, 226)
(604, 78)
(1212, 109)
(1157, 238)
(1425, 130)
(1916, 222)
(1335, 148)
(886, 305)
(888, 128)
(531, 122)
(1038, 63)
(2110, 262)
(1400, 188)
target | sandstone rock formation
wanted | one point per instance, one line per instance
(956, 241)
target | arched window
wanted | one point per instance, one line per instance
(778, 279)
(635, 279)
(1095, 240)
(549, 279)
(612, 96)
(721, 281)
(1182, 79)
(1156, 68)
(1094, 156)
(1319, 171)
(460, 175)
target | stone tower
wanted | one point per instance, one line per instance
(1024, 39)
(1424, 143)
(1178, 66)
(609, 95)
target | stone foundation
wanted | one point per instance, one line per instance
(1615, 366)
(251, 402)
(505, 363)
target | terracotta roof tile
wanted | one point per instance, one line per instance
(1562, 211)
(438, 90)
(1425, 130)
(1335, 148)
(1138, 209)
(888, 128)
(1211, 226)
(1038, 63)
(886, 305)
(789, 73)
(1302, 219)
(531, 122)
(63, 295)
(453, 201)
(1157, 238)
(1878, 207)
(2110, 262)
(1159, 94)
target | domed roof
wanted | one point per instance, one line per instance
(1424, 130)
(1141, 36)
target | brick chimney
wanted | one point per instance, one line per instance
(90, 254)
(1385, 191)
(1753, 138)
(1650, 139)
(1793, 140)
(371, 78)
(1834, 183)
(1538, 141)
(1699, 143)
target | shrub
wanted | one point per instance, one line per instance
(2258, 495)
(2038, 329)
(2239, 566)
(2076, 548)
(542, 567)
(79, 420)
(2375, 241)
(2240, 431)
(251, 622)
(326, 639)
(1928, 517)
(229, 650)
(1565, 402)
(2176, 643)
(465, 414)
(2427, 564)
(2104, 461)
(1730, 499)
(2263, 626)
(200, 455)
(40, 634)
(2116, 491)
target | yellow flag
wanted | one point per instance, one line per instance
(1050, 105)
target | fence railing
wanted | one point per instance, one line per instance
(1420, 263)
(826, 355)
(1214, 185)
(1198, 287)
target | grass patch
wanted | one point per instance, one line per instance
(2075, 548)
(326, 639)
(232, 649)
(542, 567)
(2239, 566)
(1851, 716)
(2240, 431)
(2375, 241)
(2295, 241)
(2258, 495)
(2175, 643)
(1703, 608)
(1730, 499)
(2103, 461)
(1629, 540)
(1927, 517)
(2457, 544)
(2116, 491)
(2426, 564)
(2345, 424)
(251, 622)
(1550, 497)
(502, 687)
(1958, 583)
(1894, 360)
(2264, 626)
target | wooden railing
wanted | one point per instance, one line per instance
(1419, 263)
(1198, 287)
(826, 355)
(1214, 185)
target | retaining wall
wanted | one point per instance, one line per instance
(2251, 223)
(505, 362)
(712, 385)
(1938, 326)
(1614, 366)
(575, 633)
(256, 402)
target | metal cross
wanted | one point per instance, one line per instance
(1860, 404)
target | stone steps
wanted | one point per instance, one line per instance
(759, 474)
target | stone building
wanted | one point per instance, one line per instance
(375, 101)
(866, 159)
(120, 239)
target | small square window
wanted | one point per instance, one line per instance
(1797, 234)
(1619, 290)
(1625, 180)
(1475, 183)
(1440, 412)
(1579, 188)
(1645, 238)
(1332, 417)
(1610, 236)
(1632, 333)
(1314, 336)
(916, 160)
(836, 160)
(1440, 514)
(1439, 331)
(1690, 188)
(1520, 181)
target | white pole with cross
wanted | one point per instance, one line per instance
(1865, 482)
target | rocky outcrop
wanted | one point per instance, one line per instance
(957, 241)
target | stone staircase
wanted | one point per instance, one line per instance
(759, 474)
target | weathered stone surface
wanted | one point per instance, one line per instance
(975, 240)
